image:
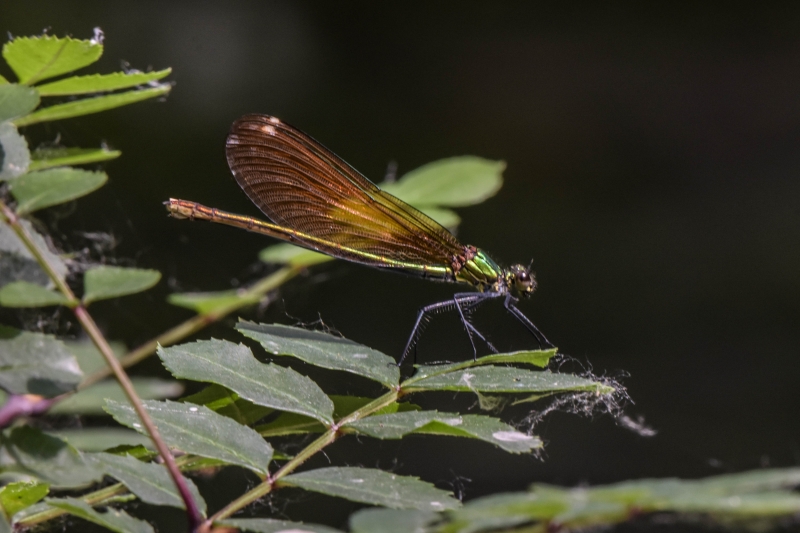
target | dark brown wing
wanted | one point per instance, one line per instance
(300, 184)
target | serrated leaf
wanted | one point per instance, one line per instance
(28, 450)
(538, 358)
(391, 520)
(37, 190)
(227, 403)
(150, 482)
(21, 494)
(234, 367)
(95, 83)
(485, 428)
(289, 254)
(103, 282)
(87, 106)
(325, 350)
(374, 487)
(35, 363)
(17, 100)
(207, 302)
(506, 379)
(25, 294)
(16, 157)
(37, 58)
(270, 525)
(199, 430)
(43, 158)
(98, 439)
(16, 261)
(91, 400)
(113, 519)
(453, 182)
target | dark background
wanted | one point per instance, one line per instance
(652, 173)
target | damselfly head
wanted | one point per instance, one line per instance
(520, 280)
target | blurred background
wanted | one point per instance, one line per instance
(652, 176)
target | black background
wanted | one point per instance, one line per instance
(652, 173)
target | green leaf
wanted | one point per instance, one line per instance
(17, 100)
(25, 294)
(98, 439)
(104, 282)
(391, 521)
(43, 158)
(16, 261)
(234, 367)
(87, 106)
(150, 482)
(199, 430)
(90, 401)
(15, 497)
(505, 379)
(37, 190)
(35, 363)
(446, 217)
(270, 525)
(16, 157)
(325, 350)
(453, 182)
(227, 403)
(289, 254)
(207, 302)
(539, 358)
(95, 83)
(485, 428)
(113, 519)
(37, 58)
(374, 487)
(89, 358)
(48, 458)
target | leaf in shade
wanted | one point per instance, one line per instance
(25, 294)
(391, 520)
(17, 100)
(113, 519)
(16, 157)
(35, 363)
(234, 367)
(87, 106)
(485, 428)
(270, 525)
(95, 83)
(98, 439)
(43, 158)
(323, 349)
(37, 190)
(208, 302)
(374, 487)
(289, 254)
(103, 282)
(506, 379)
(21, 494)
(150, 482)
(538, 358)
(16, 261)
(199, 430)
(37, 58)
(227, 403)
(29, 451)
(91, 400)
(89, 358)
(452, 182)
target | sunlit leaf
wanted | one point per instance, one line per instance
(374, 487)
(103, 282)
(199, 430)
(323, 349)
(95, 83)
(289, 254)
(98, 439)
(37, 190)
(270, 525)
(21, 494)
(16, 157)
(506, 379)
(227, 403)
(91, 400)
(25, 294)
(43, 158)
(453, 182)
(16, 261)
(17, 100)
(446, 217)
(234, 367)
(87, 106)
(150, 482)
(113, 519)
(35, 363)
(391, 520)
(37, 58)
(207, 302)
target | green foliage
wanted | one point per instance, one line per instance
(16, 101)
(43, 158)
(33, 363)
(34, 59)
(16, 496)
(96, 83)
(26, 294)
(113, 519)
(46, 188)
(103, 282)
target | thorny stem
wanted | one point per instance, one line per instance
(87, 322)
(327, 438)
